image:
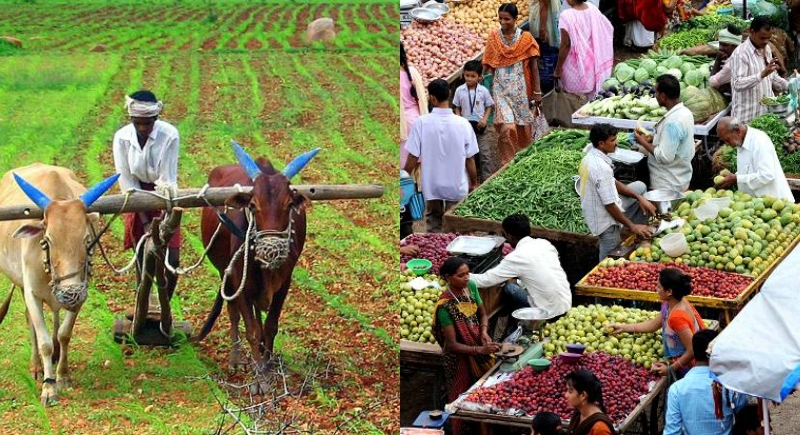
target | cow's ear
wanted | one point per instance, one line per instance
(29, 230)
(301, 201)
(238, 200)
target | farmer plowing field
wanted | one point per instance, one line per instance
(146, 157)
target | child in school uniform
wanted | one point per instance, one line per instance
(473, 101)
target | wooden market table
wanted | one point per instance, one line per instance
(728, 307)
(639, 412)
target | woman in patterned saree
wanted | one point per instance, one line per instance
(512, 56)
(460, 327)
(586, 54)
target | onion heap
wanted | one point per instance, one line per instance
(532, 392)
(440, 48)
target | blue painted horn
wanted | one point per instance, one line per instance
(248, 164)
(299, 163)
(37, 196)
(96, 191)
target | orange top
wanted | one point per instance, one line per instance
(600, 428)
(499, 55)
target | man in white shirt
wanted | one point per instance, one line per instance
(754, 72)
(758, 170)
(146, 157)
(446, 144)
(670, 154)
(603, 209)
(534, 262)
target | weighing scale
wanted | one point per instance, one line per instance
(532, 321)
(480, 253)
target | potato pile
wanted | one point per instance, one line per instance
(481, 15)
(440, 48)
(792, 143)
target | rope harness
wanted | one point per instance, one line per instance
(270, 247)
(70, 296)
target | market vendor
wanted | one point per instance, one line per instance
(754, 72)
(678, 322)
(758, 169)
(603, 209)
(670, 153)
(460, 325)
(535, 263)
(728, 40)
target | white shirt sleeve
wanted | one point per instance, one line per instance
(126, 180)
(507, 269)
(762, 172)
(414, 141)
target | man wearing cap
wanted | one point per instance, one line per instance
(729, 39)
(146, 157)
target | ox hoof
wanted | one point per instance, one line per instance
(64, 383)
(49, 395)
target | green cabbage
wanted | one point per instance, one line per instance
(624, 73)
(694, 77)
(705, 70)
(631, 83)
(686, 67)
(641, 75)
(661, 70)
(649, 64)
(609, 83)
(675, 72)
(674, 61)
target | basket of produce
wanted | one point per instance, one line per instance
(778, 105)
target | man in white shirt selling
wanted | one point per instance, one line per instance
(446, 144)
(758, 170)
(603, 209)
(670, 154)
(534, 262)
(728, 40)
(146, 157)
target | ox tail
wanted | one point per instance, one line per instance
(212, 318)
(6, 304)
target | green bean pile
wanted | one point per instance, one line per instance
(539, 186)
(562, 139)
(686, 39)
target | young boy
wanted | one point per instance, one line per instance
(473, 101)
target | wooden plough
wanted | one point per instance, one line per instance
(154, 327)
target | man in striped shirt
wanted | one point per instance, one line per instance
(754, 72)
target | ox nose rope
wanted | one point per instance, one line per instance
(70, 296)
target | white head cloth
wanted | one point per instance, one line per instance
(142, 109)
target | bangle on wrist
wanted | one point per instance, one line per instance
(537, 93)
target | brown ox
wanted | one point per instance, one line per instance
(272, 218)
(49, 259)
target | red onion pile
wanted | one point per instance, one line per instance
(532, 392)
(440, 48)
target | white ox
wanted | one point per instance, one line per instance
(49, 259)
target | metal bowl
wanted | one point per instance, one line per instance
(532, 319)
(778, 108)
(425, 15)
(664, 200)
(441, 7)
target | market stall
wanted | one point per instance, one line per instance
(728, 242)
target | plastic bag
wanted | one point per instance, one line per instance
(794, 86)
(514, 336)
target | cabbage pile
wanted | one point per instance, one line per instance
(689, 70)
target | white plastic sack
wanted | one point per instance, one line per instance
(637, 35)
(759, 352)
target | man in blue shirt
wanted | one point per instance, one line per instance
(690, 401)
